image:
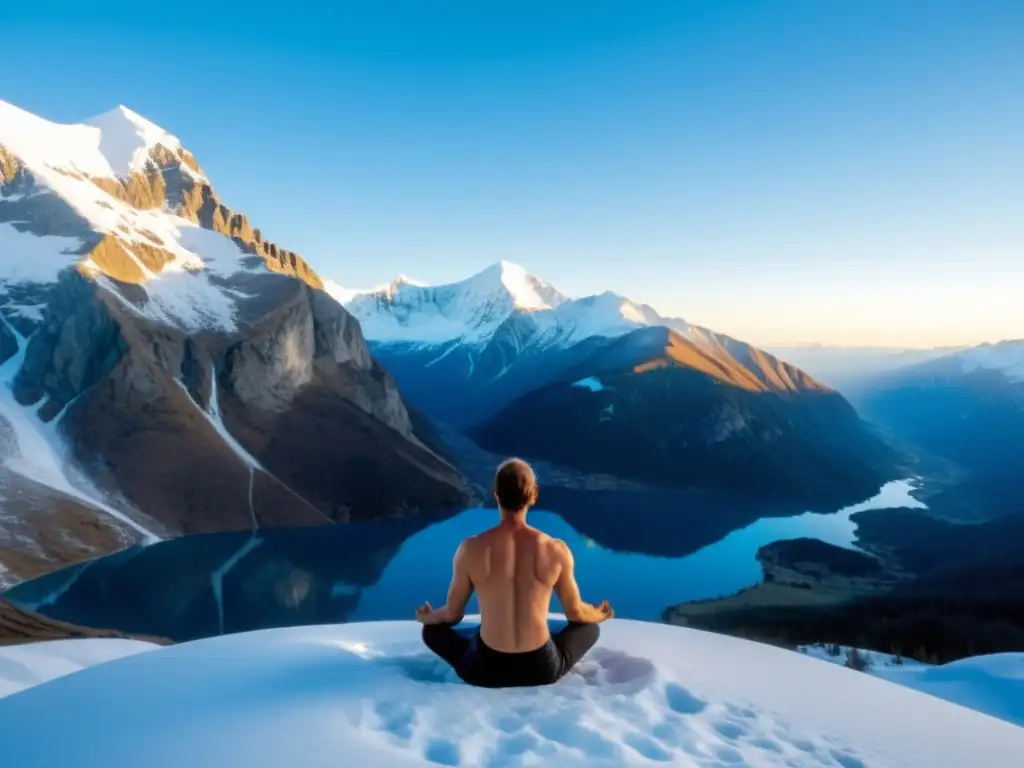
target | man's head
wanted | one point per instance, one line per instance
(515, 486)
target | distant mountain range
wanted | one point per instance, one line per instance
(967, 407)
(165, 368)
(848, 368)
(607, 385)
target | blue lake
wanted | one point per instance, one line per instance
(638, 586)
(650, 556)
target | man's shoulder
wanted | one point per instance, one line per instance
(544, 540)
(557, 545)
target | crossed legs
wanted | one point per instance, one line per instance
(573, 641)
(443, 640)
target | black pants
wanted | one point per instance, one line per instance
(480, 665)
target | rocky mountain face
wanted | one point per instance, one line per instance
(165, 369)
(659, 408)
(603, 384)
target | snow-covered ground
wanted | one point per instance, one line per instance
(992, 684)
(25, 666)
(369, 694)
(875, 660)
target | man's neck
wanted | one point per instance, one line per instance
(513, 520)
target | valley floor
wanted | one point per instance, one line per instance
(369, 694)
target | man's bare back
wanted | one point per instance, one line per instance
(514, 568)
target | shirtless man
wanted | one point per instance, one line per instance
(513, 569)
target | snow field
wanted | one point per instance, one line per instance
(371, 694)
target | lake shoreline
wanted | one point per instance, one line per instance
(792, 578)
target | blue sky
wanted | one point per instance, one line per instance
(787, 171)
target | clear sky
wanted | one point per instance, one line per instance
(849, 171)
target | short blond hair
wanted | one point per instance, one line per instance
(515, 485)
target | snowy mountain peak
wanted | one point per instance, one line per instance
(526, 291)
(127, 140)
(119, 199)
(471, 310)
(391, 288)
(474, 309)
(41, 144)
(112, 145)
(406, 280)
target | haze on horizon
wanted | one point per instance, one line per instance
(846, 173)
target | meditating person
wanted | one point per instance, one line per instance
(513, 569)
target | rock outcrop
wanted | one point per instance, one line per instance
(18, 625)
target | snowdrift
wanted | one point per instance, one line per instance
(28, 665)
(993, 684)
(368, 694)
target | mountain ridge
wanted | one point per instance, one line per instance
(685, 405)
(475, 333)
(169, 369)
(389, 313)
(966, 408)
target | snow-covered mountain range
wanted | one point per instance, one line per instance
(604, 384)
(475, 310)
(162, 364)
(503, 332)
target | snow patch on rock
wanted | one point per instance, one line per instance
(591, 382)
(30, 258)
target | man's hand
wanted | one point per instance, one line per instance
(604, 611)
(423, 613)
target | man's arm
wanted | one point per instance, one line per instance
(569, 592)
(458, 593)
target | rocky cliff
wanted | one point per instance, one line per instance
(165, 369)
